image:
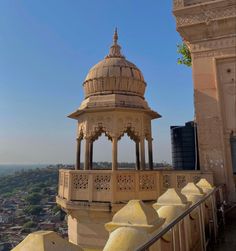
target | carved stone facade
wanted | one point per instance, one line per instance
(208, 28)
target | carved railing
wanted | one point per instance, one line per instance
(178, 179)
(122, 185)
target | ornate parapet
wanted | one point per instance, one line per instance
(108, 186)
(122, 185)
(178, 179)
(91, 197)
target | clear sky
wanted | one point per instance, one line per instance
(46, 50)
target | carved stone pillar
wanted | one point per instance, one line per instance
(142, 149)
(91, 155)
(150, 155)
(114, 153)
(86, 157)
(78, 152)
(137, 156)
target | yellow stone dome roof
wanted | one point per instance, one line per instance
(114, 75)
(114, 67)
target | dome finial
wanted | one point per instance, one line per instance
(115, 48)
(115, 36)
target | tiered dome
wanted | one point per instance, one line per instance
(114, 75)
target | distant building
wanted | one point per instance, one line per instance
(184, 146)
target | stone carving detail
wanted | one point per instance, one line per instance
(66, 180)
(80, 181)
(147, 182)
(125, 182)
(132, 124)
(214, 53)
(166, 183)
(102, 182)
(205, 16)
(213, 44)
(181, 181)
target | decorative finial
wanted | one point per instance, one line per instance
(115, 48)
(115, 36)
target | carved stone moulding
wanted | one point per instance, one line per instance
(115, 124)
(205, 17)
(214, 53)
(178, 4)
(213, 44)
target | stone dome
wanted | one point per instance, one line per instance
(114, 75)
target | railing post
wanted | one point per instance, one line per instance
(202, 226)
(180, 235)
(186, 233)
(214, 217)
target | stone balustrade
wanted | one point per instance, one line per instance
(189, 221)
(122, 185)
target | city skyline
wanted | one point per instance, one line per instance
(46, 54)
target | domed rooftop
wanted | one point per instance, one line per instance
(114, 83)
(114, 74)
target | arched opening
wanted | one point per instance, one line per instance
(102, 150)
(126, 153)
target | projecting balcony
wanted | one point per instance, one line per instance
(120, 185)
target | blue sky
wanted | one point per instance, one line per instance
(46, 50)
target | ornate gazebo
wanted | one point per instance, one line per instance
(114, 104)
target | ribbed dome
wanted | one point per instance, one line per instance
(114, 67)
(114, 74)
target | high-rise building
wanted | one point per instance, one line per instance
(184, 146)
